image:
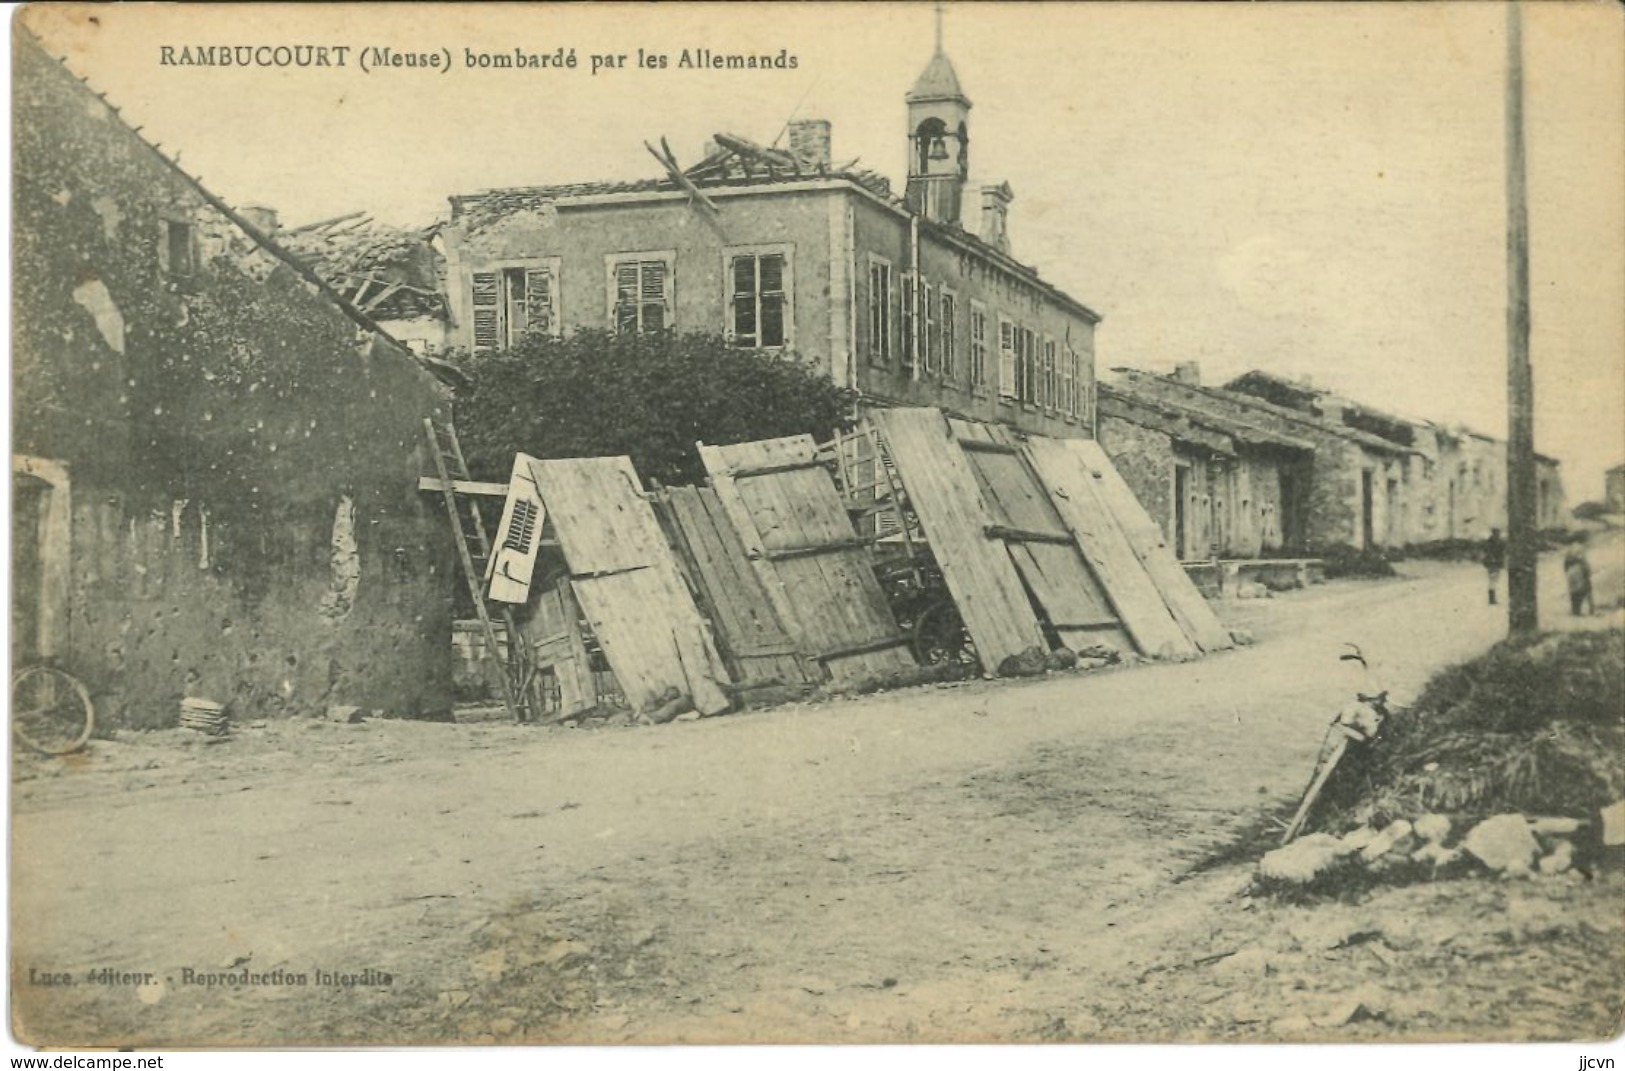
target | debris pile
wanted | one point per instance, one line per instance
(1512, 764)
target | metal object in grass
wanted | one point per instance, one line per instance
(1357, 724)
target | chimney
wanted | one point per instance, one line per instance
(1188, 373)
(996, 216)
(264, 219)
(1331, 408)
(809, 141)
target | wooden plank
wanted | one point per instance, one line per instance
(1054, 569)
(866, 647)
(628, 584)
(464, 487)
(554, 633)
(827, 601)
(947, 497)
(988, 446)
(749, 635)
(783, 466)
(780, 554)
(1145, 536)
(1133, 594)
(1023, 535)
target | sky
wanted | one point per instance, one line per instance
(1316, 190)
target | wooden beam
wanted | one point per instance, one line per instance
(808, 550)
(464, 487)
(884, 643)
(1025, 535)
(988, 446)
(786, 466)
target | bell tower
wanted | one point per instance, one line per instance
(938, 139)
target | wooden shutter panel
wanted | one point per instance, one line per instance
(539, 300)
(486, 302)
(1007, 359)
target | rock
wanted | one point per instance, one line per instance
(1432, 827)
(1062, 658)
(1357, 839)
(1555, 827)
(1103, 651)
(688, 715)
(1303, 860)
(1613, 824)
(1253, 591)
(1396, 839)
(1091, 663)
(1324, 930)
(345, 715)
(835, 853)
(1029, 663)
(1242, 637)
(1503, 843)
(1436, 855)
(1561, 858)
(1292, 1025)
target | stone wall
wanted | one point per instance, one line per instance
(242, 455)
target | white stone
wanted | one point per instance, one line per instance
(1302, 860)
(1561, 858)
(1432, 827)
(1503, 843)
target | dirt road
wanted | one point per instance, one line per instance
(991, 860)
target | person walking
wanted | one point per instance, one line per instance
(1577, 571)
(1495, 560)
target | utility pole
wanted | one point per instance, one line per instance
(1522, 617)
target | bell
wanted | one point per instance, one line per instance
(939, 149)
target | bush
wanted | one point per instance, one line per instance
(1342, 561)
(648, 396)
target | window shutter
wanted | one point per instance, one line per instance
(910, 338)
(1069, 397)
(539, 314)
(652, 295)
(487, 305)
(1007, 359)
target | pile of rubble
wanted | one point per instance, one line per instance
(1434, 845)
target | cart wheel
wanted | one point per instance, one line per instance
(940, 637)
(51, 711)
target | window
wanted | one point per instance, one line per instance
(911, 338)
(879, 311)
(177, 249)
(1049, 386)
(931, 344)
(759, 296)
(948, 331)
(640, 285)
(1027, 365)
(510, 302)
(1069, 382)
(978, 346)
(1007, 359)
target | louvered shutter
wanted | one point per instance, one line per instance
(487, 306)
(539, 313)
(652, 296)
(1069, 394)
(626, 297)
(1007, 359)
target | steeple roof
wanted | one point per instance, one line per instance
(937, 82)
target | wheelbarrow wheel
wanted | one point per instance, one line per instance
(940, 637)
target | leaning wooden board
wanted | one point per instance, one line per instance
(1041, 546)
(1189, 608)
(1075, 492)
(623, 573)
(750, 635)
(947, 498)
(818, 575)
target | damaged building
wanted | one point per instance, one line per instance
(214, 453)
(784, 250)
(1266, 465)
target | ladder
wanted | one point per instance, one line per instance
(473, 551)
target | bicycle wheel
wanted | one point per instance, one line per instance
(51, 711)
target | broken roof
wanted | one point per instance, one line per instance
(1297, 416)
(1216, 431)
(390, 273)
(737, 163)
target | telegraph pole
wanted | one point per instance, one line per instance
(1522, 617)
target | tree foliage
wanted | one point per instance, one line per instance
(649, 396)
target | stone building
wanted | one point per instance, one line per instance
(1288, 480)
(215, 456)
(787, 251)
(1614, 489)
(1453, 483)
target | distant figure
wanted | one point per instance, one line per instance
(1577, 570)
(1495, 559)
